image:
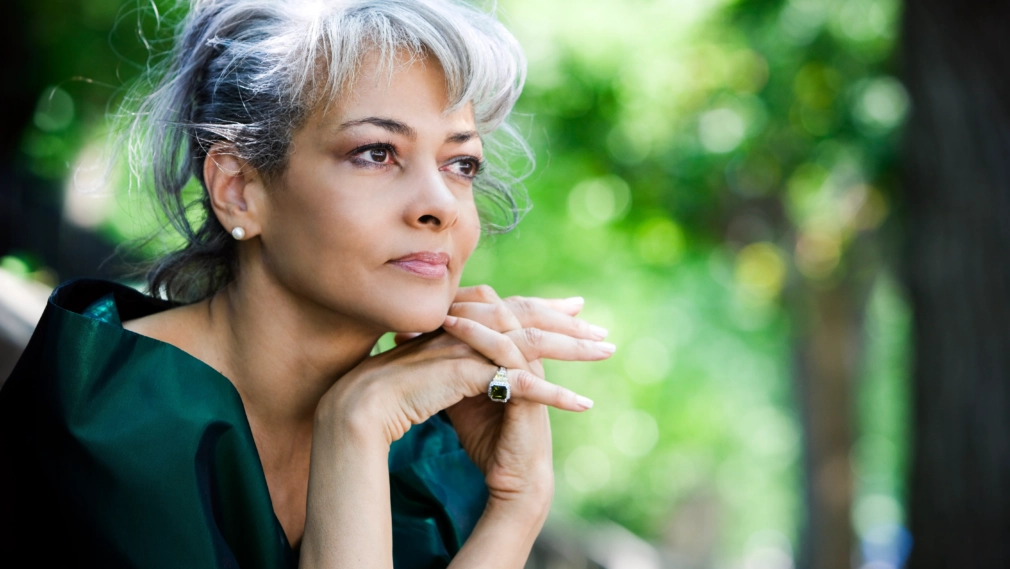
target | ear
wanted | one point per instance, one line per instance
(235, 190)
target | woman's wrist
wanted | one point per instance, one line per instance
(529, 512)
(356, 412)
(505, 534)
(530, 508)
(347, 522)
(530, 497)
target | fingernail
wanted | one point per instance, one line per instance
(599, 331)
(575, 300)
(606, 347)
(584, 402)
(450, 321)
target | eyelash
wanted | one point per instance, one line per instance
(389, 147)
(354, 154)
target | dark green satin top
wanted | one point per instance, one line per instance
(117, 450)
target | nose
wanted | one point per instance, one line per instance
(432, 205)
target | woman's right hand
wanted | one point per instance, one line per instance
(408, 384)
(348, 507)
(376, 402)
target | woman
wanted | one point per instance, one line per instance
(339, 147)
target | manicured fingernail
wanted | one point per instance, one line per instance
(599, 331)
(450, 321)
(584, 402)
(575, 300)
(606, 347)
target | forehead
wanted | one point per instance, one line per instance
(410, 90)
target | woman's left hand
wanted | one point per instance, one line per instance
(510, 443)
(540, 328)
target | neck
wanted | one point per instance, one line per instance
(282, 351)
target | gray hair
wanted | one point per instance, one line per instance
(249, 72)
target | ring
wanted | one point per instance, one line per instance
(499, 389)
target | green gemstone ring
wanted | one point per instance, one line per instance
(499, 389)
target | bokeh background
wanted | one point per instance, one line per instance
(721, 181)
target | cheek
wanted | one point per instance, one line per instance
(317, 235)
(469, 233)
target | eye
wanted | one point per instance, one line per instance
(379, 154)
(465, 166)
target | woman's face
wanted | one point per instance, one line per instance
(374, 217)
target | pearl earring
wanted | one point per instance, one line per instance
(238, 233)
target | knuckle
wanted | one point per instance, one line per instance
(526, 381)
(464, 369)
(485, 293)
(465, 325)
(503, 344)
(458, 367)
(502, 315)
(521, 305)
(534, 337)
(559, 395)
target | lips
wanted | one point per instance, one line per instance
(426, 264)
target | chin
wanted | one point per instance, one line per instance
(414, 309)
(419, 325)
(417, 319)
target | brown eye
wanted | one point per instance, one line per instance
(378, 154)
(464, 166)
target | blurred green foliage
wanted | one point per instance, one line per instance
(697, 160)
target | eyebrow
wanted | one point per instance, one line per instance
(397, 127)
(461, 137)
(391, 125)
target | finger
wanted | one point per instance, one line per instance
(496, 316)
(539, 313)
(503, 352)
(479, 293)
(494, 346)
(524, 385)
(535, 344)
(570, 306)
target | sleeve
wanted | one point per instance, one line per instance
(437, 494)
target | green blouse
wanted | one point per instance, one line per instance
(117, 450)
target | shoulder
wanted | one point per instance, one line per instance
(81, 363)
(181, 326)
(128, 437)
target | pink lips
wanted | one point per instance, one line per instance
(424, 264)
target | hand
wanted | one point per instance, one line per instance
(540, 328)
(495, 435)
(555, 316)
(496, 439)
(552, 314)
(348, 504)
(389, 392)
(510, 443)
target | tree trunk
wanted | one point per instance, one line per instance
(830, 324)
(957, 185)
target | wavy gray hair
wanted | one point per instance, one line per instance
(249, 72)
